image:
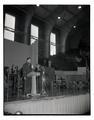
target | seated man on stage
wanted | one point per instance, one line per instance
(27, 81)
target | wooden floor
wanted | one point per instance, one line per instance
(65, 104)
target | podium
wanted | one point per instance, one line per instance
(33, 76)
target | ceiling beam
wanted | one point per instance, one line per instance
(76, 16)
(45, 8)
(69, 11)
(63, 7)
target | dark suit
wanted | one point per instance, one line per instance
(27, 82)
(50, 77)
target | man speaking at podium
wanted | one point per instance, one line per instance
(27, 68)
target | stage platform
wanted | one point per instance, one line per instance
(65, 104)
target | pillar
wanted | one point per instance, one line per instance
(28, 19)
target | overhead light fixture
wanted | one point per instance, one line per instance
(59, 18)
(79, 7)
(74, 26)
(37, 5)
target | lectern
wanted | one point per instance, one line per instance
(33, 76)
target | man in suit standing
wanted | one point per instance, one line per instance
(27, 67)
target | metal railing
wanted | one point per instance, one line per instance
(60, 86)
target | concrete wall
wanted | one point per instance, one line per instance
(16, 53)
(79, 104)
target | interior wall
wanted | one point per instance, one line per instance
(16, 53)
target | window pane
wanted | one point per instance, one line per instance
(9, 21)
(32, 41)
(52, 44)
(34, 33)
(53, 38)
(52, 50)
(10, 24)
(8, 35)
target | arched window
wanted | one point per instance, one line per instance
(9, 27)
(52, 44)
(34, 33)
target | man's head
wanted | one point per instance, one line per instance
(28, 60)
